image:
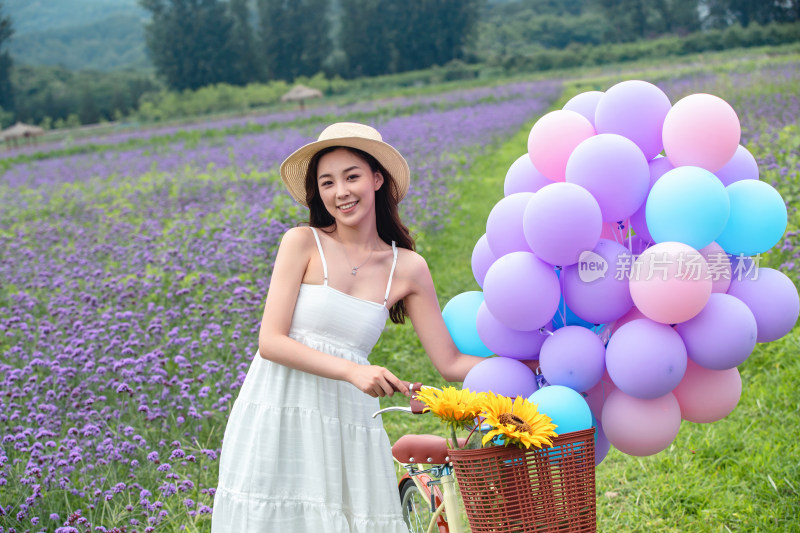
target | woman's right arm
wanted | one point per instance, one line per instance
(274, 342)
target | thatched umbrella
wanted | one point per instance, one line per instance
(20, 131)
(301, 93)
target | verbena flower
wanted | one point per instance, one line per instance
(517, 421)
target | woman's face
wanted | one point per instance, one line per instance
(347, 186)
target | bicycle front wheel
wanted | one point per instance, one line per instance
(417, 508)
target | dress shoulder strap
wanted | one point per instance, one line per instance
(391, 274)
(322, 257)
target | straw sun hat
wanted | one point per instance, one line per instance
(349, 134)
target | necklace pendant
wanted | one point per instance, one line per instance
(354, 271)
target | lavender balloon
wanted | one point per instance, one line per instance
(521, 291)
(561, 221)
(522, 176)
(773, 299)
(646, 359)
(742, 166)
(573, 357)
(501, 375)
(482, 259)
(614, 170)
(502, 340)
(634, 109)
(585, 103)
(722, 335)
(504, 225)
(597, 288)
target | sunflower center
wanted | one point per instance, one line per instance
(514, 420)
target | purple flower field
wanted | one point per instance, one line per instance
(132, 287)
(132, 282)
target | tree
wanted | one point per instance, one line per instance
(6, 88)
(189, 42)
(722, 13)
(243, 44)
(369, 53)
(295, 37)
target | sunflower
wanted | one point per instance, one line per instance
(518, 422)
(456, 408)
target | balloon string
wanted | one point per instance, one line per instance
(563, 298)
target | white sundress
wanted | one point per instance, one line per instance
(302, 453)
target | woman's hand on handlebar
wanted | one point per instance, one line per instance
(377, 381)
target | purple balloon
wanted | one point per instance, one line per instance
(502, 340)
(614, 170)
(504, 225)
(601, 445)
(561, 221)
(482, 259)
(501, 375)
(658, 167)
(574, 357)
(585, 104)
(742, 166)
(722, 335)
(522, 176)
(646, 359)
(521, 291)
(634, 109)
(595, 295)
(773, 299)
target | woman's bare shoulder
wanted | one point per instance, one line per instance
(411, 263)
(298, 237)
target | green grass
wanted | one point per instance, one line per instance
(738, 474)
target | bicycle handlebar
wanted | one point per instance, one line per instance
(415, 406)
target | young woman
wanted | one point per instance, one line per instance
(301, 452)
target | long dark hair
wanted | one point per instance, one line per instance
(390, 227)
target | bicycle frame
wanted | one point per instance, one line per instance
(444, 502)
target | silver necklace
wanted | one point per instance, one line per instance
(354, 269)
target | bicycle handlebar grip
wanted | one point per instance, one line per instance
(416, 406)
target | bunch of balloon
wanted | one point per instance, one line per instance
(622, 265)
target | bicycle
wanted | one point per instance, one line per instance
(427, 508)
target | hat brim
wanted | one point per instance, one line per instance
(295, 167)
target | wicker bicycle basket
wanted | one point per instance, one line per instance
(512, 490)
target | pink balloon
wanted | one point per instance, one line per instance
(614, 170)
(553, 138)
(482, 259)
(521, 291)
(641, 427)
(742, 166)
(701, 130)
(504, 231)
(585, 104)
(634, 109)
(669, 282)
(502, 340)
(596, 396)
(561, 221)
(657, 168)
(719, 267)
(522, 176)
(708, 395)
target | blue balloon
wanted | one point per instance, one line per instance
(564, 311)
(566, 407)
(688, 205)
(758, 218)
(460, 316)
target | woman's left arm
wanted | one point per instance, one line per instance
(422, 307)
